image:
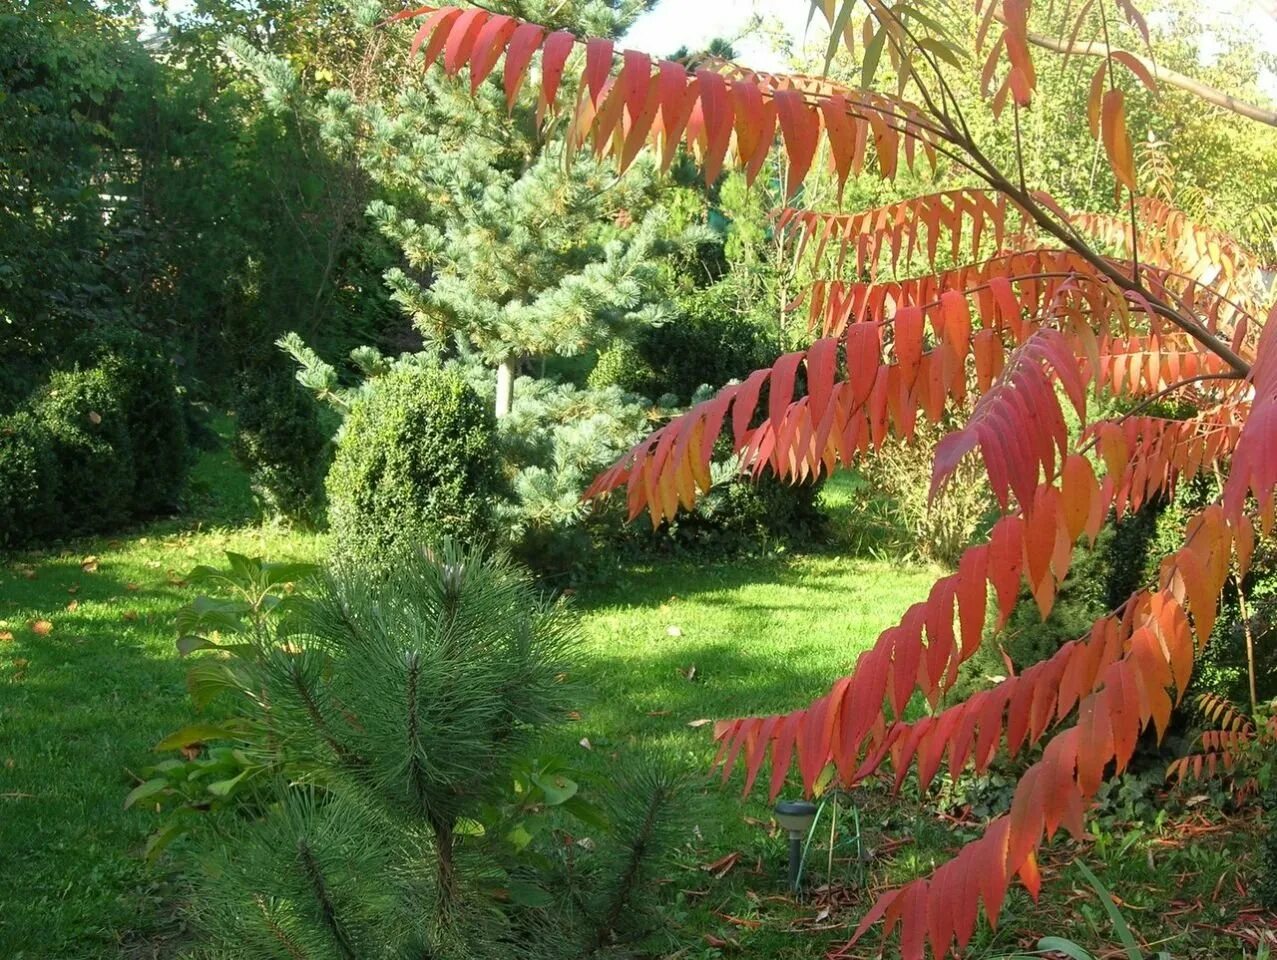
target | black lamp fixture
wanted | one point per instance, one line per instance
(795, 816)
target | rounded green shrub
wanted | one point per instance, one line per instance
(28, 481)
(86, 420)
(281, 440)
(709, 343)
(418, 461)
(746, 513)
(142, 377)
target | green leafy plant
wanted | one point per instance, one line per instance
(222, 760)
(1130, 947)
(87, 422)
(142, 377)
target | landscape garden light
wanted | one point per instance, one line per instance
(796, 816)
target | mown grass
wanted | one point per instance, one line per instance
(83, 700)
(89, 682)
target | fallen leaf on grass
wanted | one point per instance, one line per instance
(585, 743)
(722, 866)
(94, 417)
(20, 668)
(718, 943)
(697, 724)
(132, 587)
(673, 631)
(73, 606)
(688, 674)
(129, 615)
(41, 627)
(73, 589)
(89, 565)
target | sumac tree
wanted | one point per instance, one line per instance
(1043, 307)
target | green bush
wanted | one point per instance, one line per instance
(417, 461)
(743, 514)
(84, 414)
(283, 443)
(709, 343)
(935, 530)
(28, 481)
(142, 377)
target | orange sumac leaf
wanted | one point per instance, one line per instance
(1117, 141)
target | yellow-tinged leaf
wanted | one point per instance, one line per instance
(1117, 141)
(41, 627)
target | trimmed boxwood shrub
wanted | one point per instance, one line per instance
(417, 461)
(143, 379)
(83, 412)
(28, 481)
(281, 441)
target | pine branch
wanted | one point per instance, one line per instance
(316, 717)
(328, 912)
(639, 848)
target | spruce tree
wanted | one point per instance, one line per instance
(512, 244)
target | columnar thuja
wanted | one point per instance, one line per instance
(1145, 305)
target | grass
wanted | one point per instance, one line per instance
(89, 681)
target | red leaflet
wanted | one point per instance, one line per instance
(908, 342)
(488, 47)
(461, 39)
(434, 30)
(598, 65)
(716, 108)
(800, 127)
(524, 42)
(554, 55)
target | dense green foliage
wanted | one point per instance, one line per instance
(28, 480)
(97, 444)
(87, 424)
(417, 462)
(282, 443)
(707, 343)
(143, 380)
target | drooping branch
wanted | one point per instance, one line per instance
(1161, 74)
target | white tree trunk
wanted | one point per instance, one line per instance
(505, 386)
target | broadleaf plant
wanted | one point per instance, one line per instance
(1044, 306)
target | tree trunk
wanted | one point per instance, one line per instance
(505, 386)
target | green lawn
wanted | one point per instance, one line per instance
(89, 681)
